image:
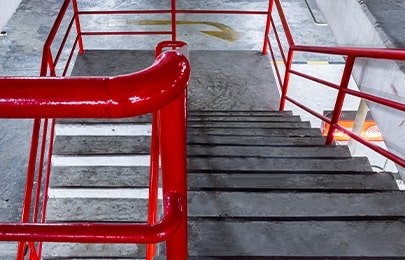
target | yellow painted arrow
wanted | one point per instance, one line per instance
(226, 33)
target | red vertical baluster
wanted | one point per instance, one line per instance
(344, 84)
(47, 179)
(267, 31)
(78, 27)
(40, 171)
(153, 183)
(284, 88)
(29, 183)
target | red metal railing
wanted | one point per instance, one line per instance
(160, 88)
(105, 97)
(351, 55)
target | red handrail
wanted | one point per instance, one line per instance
(100, 232)
(372, 53)
(159, 87)
(351, 54)
(96, 97)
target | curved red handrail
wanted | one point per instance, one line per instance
(98, 232)
(96, 97)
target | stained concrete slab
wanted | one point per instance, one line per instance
(225, 80)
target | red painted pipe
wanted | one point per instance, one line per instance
(96, 97)
(98, 232)
(376, 53)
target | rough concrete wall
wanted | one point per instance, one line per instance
(7, 9)
(354, 25)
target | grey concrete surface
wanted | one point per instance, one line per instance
(291, 238)
(216, 82)
(249, 165)
(296, 205)
(390, 16)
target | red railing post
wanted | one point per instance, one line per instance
(173, 157)
(153, 182)
(174, 21)
(267, 30)
(47, 180)
(26, 209)
(340, 98)
(78, 27)
(284, 88)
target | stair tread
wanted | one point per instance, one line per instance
(236, 118)
(279, 181)
(223, 164)
(249, 125)
(238, 113)
(93, 145)
(285, 132)
(100, 176)
(245, 206)
(107, 176)
(268, 152)
(129, 120)
(296, 238)
(255, 140)
(294, 205)
(93, 251)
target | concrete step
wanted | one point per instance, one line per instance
(81, 209)
(277, 141)
(247, 113)
(256, 165)
(139, 119)
(231, 118)
(88, 145)
(268, 152)
(195, 116)
(8, 250)
(296, 205)
(134, 177)
(257, 132)
(93, 251)
(278, 181)
(251, 125)
(100, 176)
(297, 238)
(103, 145)
(246, 206)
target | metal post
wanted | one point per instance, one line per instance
(174, 175)
(267, 31)
(174, 20)
(78, 28)
(153, 183)
(284, 88)
(29, 183)
(340, 98)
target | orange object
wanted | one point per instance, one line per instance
(370, 130)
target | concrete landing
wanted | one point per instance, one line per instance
(224, 80)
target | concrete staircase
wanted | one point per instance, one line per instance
(261, 185)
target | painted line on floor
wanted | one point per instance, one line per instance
(103, 130)
(130, 160)
(88, 193)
